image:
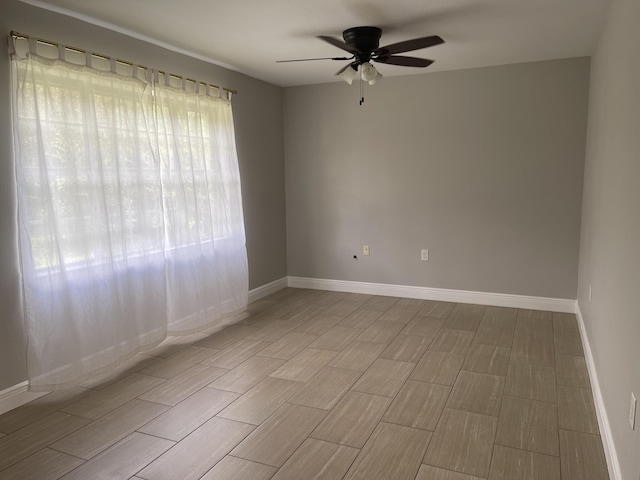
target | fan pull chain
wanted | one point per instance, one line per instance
(361, 94)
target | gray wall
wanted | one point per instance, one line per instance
(610, 243)
(482, 167)
(259, 136)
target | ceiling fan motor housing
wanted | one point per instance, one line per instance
(364, 39)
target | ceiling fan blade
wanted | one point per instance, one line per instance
(408, 45)
(340, 44)
(404, 61)
(310, 59)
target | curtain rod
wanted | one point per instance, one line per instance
(107, 57)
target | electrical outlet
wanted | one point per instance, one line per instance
(632, 412)
(425, 255)
(589, 292)
(366, 251)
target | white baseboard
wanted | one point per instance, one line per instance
(603, 420)
(267, 289)
(17, 395)
(440, 294)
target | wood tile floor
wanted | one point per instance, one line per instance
(324, 385)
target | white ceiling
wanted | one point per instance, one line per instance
(250, 35)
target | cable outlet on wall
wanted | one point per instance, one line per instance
(425, 255)
(632, 411)
(365, 250)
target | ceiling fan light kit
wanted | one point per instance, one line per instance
(363, 44)
(348, 74)
(369, 73)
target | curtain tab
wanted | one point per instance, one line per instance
(33, 45)
(18, 47)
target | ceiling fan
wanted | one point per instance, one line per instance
(363, 44)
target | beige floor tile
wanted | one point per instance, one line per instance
(436, 309)
(361, 318)
(568, 344)
(500, 313)
(487, 359)
(463, 442)
(465, 317)
(39, 408)
(418, 405)
(45, 464)
(174, 343)
(576, 410)
(528, 425)
(392, 452)
(452, 341)
(179, 421)
(342, 308)
(288, 346)
(122, 460)
(326, 388)
(380, 303)
(28, 440)
(173, 391)
(99, 435)
(97, 404)
(247, 375)
(305, 365)
(571, 370)
(198, 452)
(326, 298)
(133, 365)
(178, 362)
(380, 331)
(414, 302)
(273, 331)
(353, 419)
(565, 324)
(297, 354)
(227, 336)
(427, 472)
(532, 351)
(273, 442)
(384, 377)
(424, 326)
(438, 367)
(406, 348)
(497, 331)
(582, 456)
(232, 468)
(336, 339)
(541, 314)
(400, 314)
(531, 381)
(534, 328)
(319, 324)
(358, 356)
(318, 460)
(359, 298)
(477, 392)
(510, 464)
(261, 401)
(235, 354)
(301, 313)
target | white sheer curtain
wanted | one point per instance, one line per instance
(129, 210)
